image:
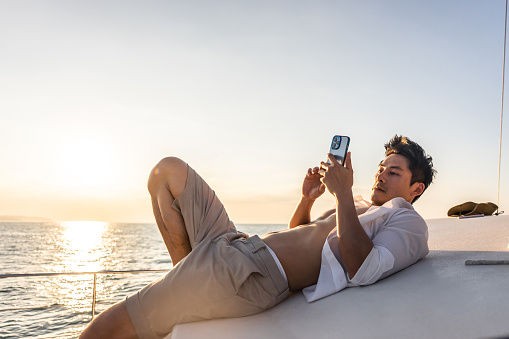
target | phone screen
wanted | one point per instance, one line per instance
(339, 148)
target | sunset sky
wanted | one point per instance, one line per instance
(94, 93)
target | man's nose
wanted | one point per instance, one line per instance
(381, 176)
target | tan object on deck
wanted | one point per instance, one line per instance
(472, 208)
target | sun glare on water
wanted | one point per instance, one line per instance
(83, 241)
(82, 247)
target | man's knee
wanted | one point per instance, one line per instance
(170, 172)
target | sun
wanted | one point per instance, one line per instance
(83, 162)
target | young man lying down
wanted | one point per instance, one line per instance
(220, 272)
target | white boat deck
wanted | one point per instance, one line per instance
(438, 297)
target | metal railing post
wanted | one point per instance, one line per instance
(94, 296)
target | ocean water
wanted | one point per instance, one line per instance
(61, 306)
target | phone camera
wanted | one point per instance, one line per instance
(336, 141)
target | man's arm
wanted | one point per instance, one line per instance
(354, 243)
(312, 188)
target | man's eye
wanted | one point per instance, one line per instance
(393, 173)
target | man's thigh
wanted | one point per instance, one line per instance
(204, 215)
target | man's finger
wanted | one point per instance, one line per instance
(348, 160)
(332, 159)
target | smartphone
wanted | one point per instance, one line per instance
(339, 148)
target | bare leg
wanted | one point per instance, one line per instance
(166, 182)
(113, 323)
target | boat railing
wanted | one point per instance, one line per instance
(50, 274)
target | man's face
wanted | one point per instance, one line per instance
(393, 180)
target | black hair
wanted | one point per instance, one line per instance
(419, 163)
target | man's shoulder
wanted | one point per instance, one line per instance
(393, 211)
(400, 207)
(402, 215)
(396, 212)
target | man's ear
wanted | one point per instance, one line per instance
(417, 189)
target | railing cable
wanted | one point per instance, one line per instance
(53, 274)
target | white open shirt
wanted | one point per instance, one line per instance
(400, 238)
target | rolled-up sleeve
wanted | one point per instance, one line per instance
(378, 261)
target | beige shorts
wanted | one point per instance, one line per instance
(227, 273)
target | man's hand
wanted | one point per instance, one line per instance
(338, 179)
(312, 188)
